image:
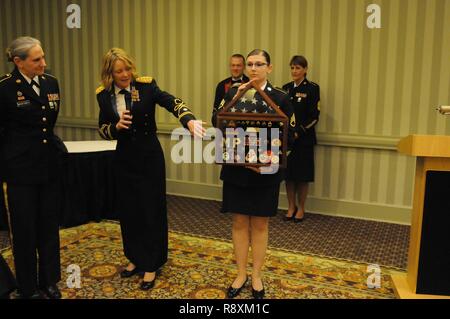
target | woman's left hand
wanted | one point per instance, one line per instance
(263, 169)
(196, 128)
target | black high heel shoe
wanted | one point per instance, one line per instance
(146, 285)
(258, 294)
(234, 292)
(129, 273)
(298, 220)
(286, 218)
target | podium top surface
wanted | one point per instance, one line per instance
(425, 145)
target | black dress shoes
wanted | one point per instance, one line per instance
(52, 292)
(298, 220)
(35, 295)
(258, 294)
(146, 285)
(234, 292)
(129, 273)
(286, 218)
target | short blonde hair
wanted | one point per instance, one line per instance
(110, 58)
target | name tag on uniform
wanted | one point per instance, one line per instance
(302, 95)
(23, 103)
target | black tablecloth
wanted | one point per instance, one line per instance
(87, 189)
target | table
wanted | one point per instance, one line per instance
(87, 184)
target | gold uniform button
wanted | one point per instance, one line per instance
(44, 141)
(43, 107)
(44, 119)
(44, 130)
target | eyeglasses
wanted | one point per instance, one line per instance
(257, 65)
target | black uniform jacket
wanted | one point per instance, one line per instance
(223, 87)
(141, 136)
(242, 176)
(305, 100)
(29, 150)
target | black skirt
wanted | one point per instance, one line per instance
(142, 208)
(300, 164)
(250, 200)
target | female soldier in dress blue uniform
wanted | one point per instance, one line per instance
(127, 113)
(305, 98)
(30, 161)
(252, 197)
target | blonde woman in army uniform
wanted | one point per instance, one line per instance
(127, 113)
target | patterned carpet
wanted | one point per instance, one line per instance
(337, 237)
(319, 235)
(200, 267)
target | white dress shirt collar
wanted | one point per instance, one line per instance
(118, 89)
(36, 78)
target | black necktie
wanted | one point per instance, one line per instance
(34, 83)
(127, 98)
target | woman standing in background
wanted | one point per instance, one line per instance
(305, 99)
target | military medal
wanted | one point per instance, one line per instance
(20, 96)
(275, 159)
(135, 95)
(276, 142)
(265, 157)
(251, 157)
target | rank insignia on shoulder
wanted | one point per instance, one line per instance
(5, 77)
(144, 79)
(48, 75)
(99, 89)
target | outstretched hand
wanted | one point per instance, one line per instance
(196, 128)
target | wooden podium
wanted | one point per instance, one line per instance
(428, 272)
